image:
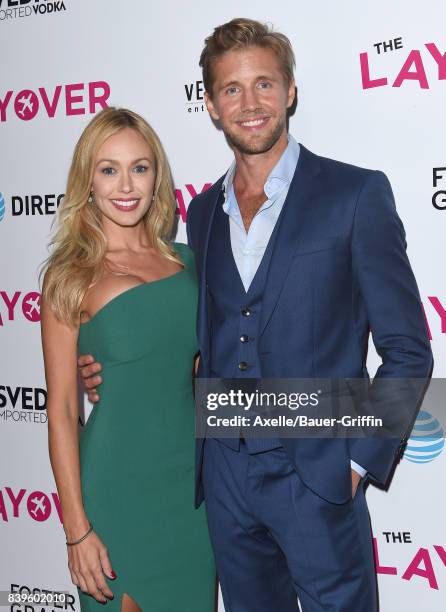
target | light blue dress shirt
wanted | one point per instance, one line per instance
(248, 247)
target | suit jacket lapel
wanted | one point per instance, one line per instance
(302, 190)
(203, 322)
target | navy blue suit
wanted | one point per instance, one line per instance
(337, 268)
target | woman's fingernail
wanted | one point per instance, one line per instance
(113, 575)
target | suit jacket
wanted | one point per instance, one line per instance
(339, 270)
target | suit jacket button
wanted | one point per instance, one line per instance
(243, 366)
(244, 338)
(246, 312)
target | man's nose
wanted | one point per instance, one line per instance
(250, 100)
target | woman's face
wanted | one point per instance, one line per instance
(124, 178)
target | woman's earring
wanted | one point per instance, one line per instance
(91, 198)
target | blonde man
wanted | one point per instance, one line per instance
(298, 256)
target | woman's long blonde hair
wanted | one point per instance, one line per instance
(79, 244)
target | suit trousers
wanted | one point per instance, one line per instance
(275, 540)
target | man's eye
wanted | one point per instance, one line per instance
(264, 85)
(231, 90)
(141, 169)
(108, 171)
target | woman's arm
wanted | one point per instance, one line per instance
(89, 558)
(59, 350)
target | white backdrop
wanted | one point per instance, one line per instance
(61, 60)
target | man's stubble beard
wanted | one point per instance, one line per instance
(260, 147)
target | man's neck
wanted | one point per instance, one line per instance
(252, 170)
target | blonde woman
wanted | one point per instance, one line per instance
(116, 286)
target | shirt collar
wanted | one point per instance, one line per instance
(280, 175)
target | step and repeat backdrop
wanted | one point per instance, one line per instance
(371, 80)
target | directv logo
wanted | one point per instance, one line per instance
(426, 441)
(2, 206)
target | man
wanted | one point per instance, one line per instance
(298, 257)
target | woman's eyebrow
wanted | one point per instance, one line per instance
(116, 161)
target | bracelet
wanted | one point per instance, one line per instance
(82, 538)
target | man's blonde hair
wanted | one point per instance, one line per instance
(239, 34)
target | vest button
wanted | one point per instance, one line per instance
(243, 366)
(244, 338)
(246, 312)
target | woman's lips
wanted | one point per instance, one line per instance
(125, 205)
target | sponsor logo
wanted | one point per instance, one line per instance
(13, 9)
(31, 205)
(72, 99)
(439, 196)
(23, 404)
(425, 565)
(187, 194)
(374, 72)
(194, 97)
(35, 205)
(36, 504)
(29, 306)
(426, 441)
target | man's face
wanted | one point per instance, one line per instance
(250, 99)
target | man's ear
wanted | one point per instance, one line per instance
(292, 92)
(210, 106)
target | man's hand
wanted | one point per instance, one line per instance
(89, 369)
(196, 364)
(356, 479)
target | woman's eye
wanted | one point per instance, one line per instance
(108, 171)
(141, 169)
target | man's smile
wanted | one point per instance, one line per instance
(253, 124)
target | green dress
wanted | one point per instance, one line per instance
(137, 447)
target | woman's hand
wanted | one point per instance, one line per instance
(88, 562)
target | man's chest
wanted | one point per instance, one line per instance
(249, 206)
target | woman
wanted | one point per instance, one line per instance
(116, 286)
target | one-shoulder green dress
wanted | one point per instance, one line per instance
(137, 447)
